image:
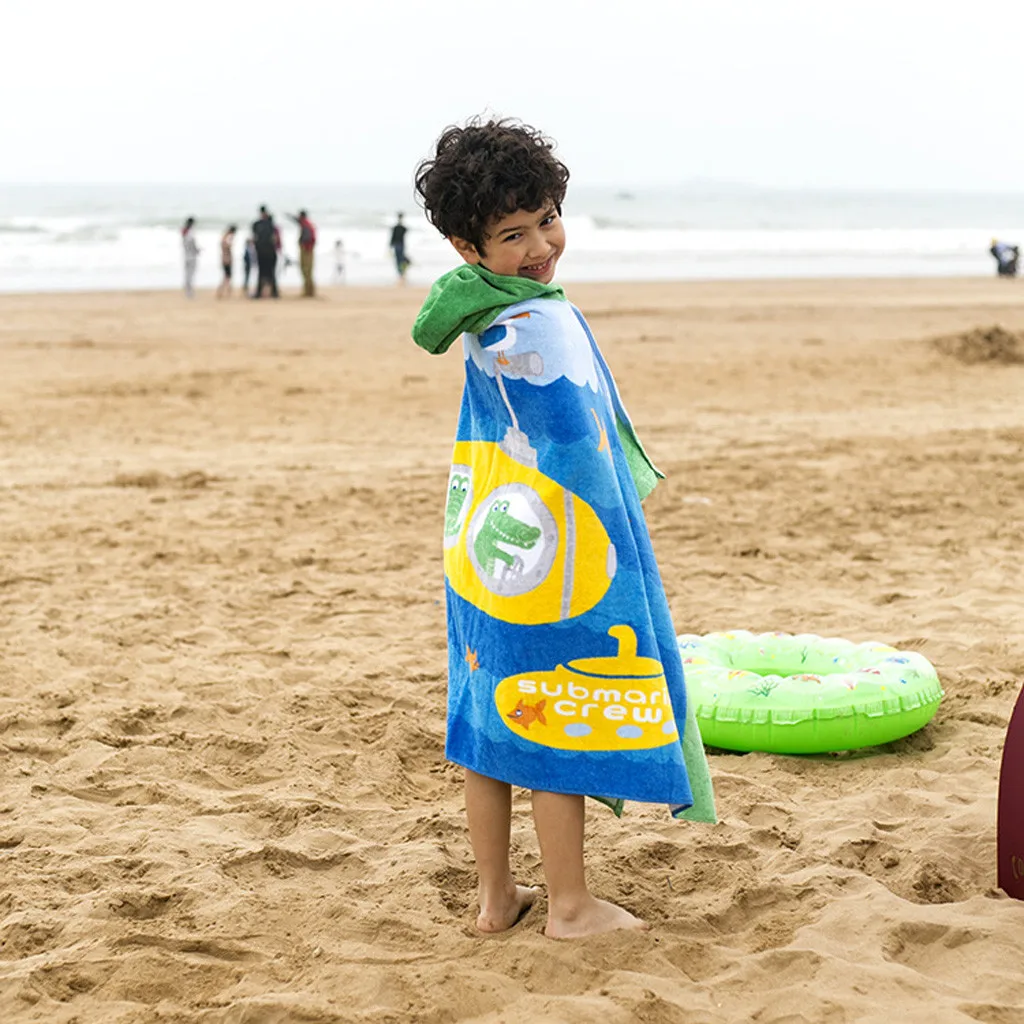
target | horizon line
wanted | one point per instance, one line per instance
(692, 184)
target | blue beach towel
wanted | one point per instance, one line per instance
(564, 670)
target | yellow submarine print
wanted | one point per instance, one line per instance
(619, 703)
(519, 546)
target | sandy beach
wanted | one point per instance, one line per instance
(223, 798)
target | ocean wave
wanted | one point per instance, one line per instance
(329, 220)
(170, 223)
(110, 237)
(606, 223)
(21, 229)
(90, 233)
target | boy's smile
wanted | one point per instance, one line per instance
(526, 243)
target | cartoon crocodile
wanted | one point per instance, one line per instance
(458, 488)
(501, 528)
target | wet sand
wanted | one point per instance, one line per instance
(222, 669)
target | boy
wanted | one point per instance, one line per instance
(564, 672)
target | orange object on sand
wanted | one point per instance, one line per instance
(1010, 819)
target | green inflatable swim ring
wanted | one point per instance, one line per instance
(805, 694)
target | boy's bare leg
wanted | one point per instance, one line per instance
(572, 911)
(489, 812)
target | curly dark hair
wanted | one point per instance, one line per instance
(487, 170)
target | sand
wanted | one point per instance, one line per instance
(222, 663)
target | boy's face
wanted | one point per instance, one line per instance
(527, 243)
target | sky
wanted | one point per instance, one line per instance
(779, 93)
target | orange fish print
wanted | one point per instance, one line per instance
(526, 714)
(471, 659)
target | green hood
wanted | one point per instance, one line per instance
(468, 298)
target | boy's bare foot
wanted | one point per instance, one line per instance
(500, 914)
(591, 918)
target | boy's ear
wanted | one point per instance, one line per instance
(467, 250)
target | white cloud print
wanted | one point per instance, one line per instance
(538, 345)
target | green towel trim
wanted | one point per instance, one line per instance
(696, 761)
(469, 298)
(644, 472)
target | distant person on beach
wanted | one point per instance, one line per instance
(248, 263)
(1007, 258)
(227, 241)
(307, 243)
(539, 676)
(339, 262)
(397, 245)
(267, 241)
(190, 250)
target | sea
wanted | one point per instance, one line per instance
(128, 237)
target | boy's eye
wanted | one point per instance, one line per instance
(549, 219)
(512, 238)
